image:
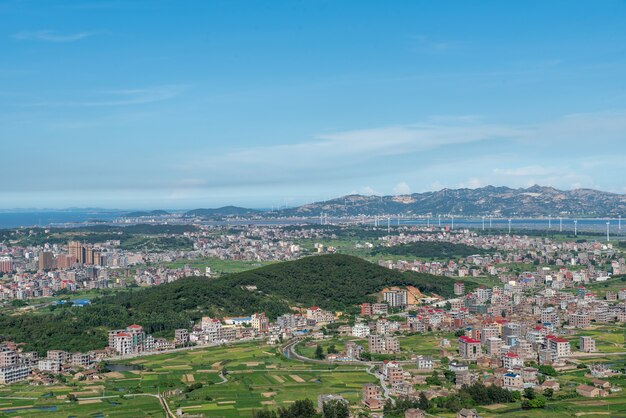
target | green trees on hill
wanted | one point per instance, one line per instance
(337, 281)
(425, 249)
(332, 282)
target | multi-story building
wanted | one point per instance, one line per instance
(559, 347)
(46, 260)
(580, 320)
(366, 309)
(469, 348)
(587, 344)
(487, 333)
(510, 360)
(6, 264)
(383, 344)
(181, 336)
(360, 330)
(511, 330)
(212, 328)
(81, 359)
(122, 343)
(424, 362)
(8, 358)
(549, 315)
(372, 397)
(380, 309)
(14, 373)
(393, 372)
(318, 316)
(76, 253)
(512, 381)
(47, 365)
(260, 322)
(59, 356)
(493, 345)
(138, 337)
(459, 288)
(396, 298)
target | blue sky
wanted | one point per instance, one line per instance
(168, 104)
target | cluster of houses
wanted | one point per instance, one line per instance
(588, 261)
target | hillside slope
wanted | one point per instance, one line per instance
(330, 281)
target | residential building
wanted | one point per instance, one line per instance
(559, 347)
(587, 344)
(424, 362)
(469, 348)
(371, 397)
(396, 298)
(14, 373)
(512, 381)
(383, 344)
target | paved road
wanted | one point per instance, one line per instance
(381, 378)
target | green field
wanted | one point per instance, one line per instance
(258, 376)
(217, 265)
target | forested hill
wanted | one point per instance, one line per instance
(428, 249)
(336, 282)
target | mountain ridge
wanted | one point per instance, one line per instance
(489, 200)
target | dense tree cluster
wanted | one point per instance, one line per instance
(306, 409)
(476, 394)
(337, 281)
(429, 249)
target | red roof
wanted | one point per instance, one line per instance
(122, 334)
(134, 326)
(511, 355)
(469, 340)
(557, 339)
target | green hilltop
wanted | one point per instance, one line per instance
(335, 282)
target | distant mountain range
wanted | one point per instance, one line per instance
(489, 200)
(224, 211)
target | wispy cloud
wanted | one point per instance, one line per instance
(117, 97)
(51, 36)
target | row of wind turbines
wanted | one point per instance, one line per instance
(379, 219)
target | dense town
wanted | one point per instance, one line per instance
(516, 334)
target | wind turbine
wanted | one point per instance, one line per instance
(439, 219)
(608, 224)
(483, 223)
(575, 228)
(452, 222)
(560, 224)
(509, 226)
(619, 223)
